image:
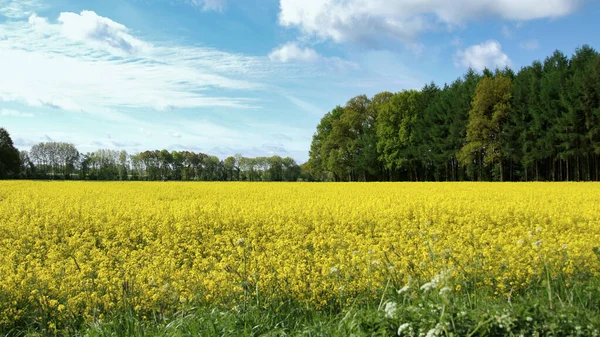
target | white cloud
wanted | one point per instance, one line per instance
(145, 132)
(291, 52)
(304, 105)
(485, 55)
(38, 22)
(91, 28)
(209, 5)
(14, 113)
(175, 134)
(530, 45)
(84, 63)
(17, 9)
(371, 20)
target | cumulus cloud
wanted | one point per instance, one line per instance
(370, 20)
(38, 22)
(485, 55)
(89, 27)
(291, 52)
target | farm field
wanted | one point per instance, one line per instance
(434, 259)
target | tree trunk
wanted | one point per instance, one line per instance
(480, 167)
(590, 160)
(560, 170)
(553, 168)
(597, 170)
(578, 169)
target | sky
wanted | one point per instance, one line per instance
(248, 76)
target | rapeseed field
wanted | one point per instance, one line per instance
(81, 251)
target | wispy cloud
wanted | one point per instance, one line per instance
(17, 9)
(507, 32)
(304, 105)
(292, 52)
(209, 5)
(85, 62)
(14, 113)
(530, 45)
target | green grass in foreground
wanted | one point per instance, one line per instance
(545, 309)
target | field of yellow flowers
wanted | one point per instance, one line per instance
(81, 250)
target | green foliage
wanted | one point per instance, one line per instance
(490, 109)
(396, 123)
(541, 123)
(9, 156)
(62, 161)
(553, 308)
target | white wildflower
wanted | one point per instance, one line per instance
(504, 321)
(334, 270)
(435, 282)
(435, 331)
(403, 327)
(403, 289)
(390, 309)
(445, 290)
(428, 286)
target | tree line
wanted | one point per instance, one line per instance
(55, 160)
(541, 123)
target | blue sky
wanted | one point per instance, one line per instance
(247, 76)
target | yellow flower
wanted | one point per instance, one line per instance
(100, 248)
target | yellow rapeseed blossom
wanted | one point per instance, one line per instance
(84, 249)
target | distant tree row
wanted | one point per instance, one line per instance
(542, 123)
(54, 160)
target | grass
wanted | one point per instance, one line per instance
(552, 307)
